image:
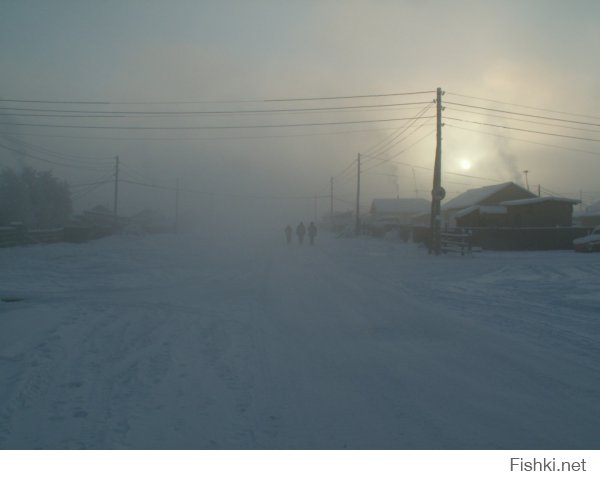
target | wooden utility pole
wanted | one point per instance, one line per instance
(116, 199)
(331, 201)
(438, 193)
(526, 172)
(176, 205)
(357, 229)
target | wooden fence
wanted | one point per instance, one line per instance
(14, 236)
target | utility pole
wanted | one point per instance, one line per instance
(438, 193)
(116, 199)
(357, 229)
(331, 201)
(415, 182)
(526, 179)
(176, 205)
(539, 190)
(316, 209)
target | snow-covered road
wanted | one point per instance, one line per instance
(191, 343)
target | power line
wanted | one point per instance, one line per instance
(35, 157)
(377, 150)
(90, 184)
(181, 139)
(399, 141)
(524, 130)
(523, 114)
(52, 153)
(55, 101)
(180, 102)
(92, 188)
(522, 140)
(445, 172)
(58, 115)
(397, 154)
(524, 120)
(345, 169)
(524, 106)
(210, 127)
(351, 96)
(109, 114)
(229, 195)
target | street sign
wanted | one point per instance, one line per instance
(438, 193)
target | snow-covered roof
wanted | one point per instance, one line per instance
(483, 210)
(399, 205)
(476, 195)
(530, 201)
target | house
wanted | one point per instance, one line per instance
(540, 212)
(400, 210)
(489, 196)
(395, 214)
(590, 217)
(482, 216)
(339, 221)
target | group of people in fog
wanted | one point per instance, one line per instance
(301, 231)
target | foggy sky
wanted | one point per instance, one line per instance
(536, 53)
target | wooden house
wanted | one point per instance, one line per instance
(489, 196)
(401, 210)
(540, 212)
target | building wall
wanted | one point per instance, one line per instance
(545, 214)
(510, 192)
(476, 219)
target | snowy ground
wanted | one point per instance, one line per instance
(191, 343)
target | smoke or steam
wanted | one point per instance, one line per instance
(509, 164)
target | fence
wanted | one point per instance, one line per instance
(50, 235)
(9, 237)
(524, 238)
(527, 238)
(458, 243)
(19, 235)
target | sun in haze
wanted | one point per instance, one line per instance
(465, 164)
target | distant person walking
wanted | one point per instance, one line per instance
(312, 232)
(288, 234)
(300, 231)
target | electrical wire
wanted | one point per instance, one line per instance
(524, 130)
(580, 129)
(208, 127)
(35, 157)
(524, 106)
(182, 139)
(81, 194)
(445, 172)
(397, 154)
(228, 195)
(53, 153)
(110, 114)
(522, 140)
(180, 102)
(375, 149)
(345, 169)
(523, 114)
